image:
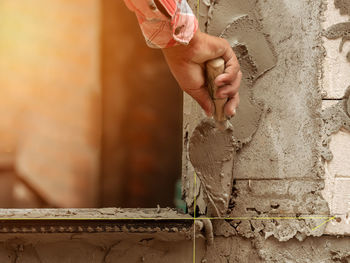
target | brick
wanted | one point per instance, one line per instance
(279, 197)
(340, 147)
(338, 226)
(337, 184)
(341, 196)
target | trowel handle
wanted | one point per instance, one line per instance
(216, 67)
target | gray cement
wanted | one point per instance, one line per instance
(341, 30)
(278, 123)
(137, 248)
(281, 131)
(335, 118)
(211, 151)
(343, 6)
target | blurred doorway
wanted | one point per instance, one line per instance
(89, 115)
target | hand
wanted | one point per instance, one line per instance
(187, 64)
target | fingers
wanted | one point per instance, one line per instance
(229, 81)
(232, 66)
(187, 65)
(229, 90)
(231, 106)
(232, 69)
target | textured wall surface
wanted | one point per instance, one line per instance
(336, 114)
(278, 168)
(95, 248)
(294, 152)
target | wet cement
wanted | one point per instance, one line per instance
(278, 127)
(343, 6)
(210, 152)
(340, 30)
(283, 137)
(256, 57)
(335, 118)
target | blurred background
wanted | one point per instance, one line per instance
(89, 115)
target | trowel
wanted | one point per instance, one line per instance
(211, 149)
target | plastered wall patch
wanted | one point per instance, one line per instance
(336, 34)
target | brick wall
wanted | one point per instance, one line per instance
(336, 80)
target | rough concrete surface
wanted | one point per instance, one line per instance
(278, 123)
(283, 133)
(335, 118)
(124, 248)
(280, 95)
(335, 115)
(152, 248)
(89, 213)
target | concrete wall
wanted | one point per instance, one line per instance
(336, 114)
(292, 126)
(278, 123)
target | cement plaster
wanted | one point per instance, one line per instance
(278, 123)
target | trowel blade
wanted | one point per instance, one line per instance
(211, 152)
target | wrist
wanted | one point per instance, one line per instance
(185, 47)
(196, 37)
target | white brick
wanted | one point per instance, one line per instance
(337, 183)
(339, 166)
(339, 226)
(328, 103)
(341, 196)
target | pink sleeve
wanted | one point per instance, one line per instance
(161, 31)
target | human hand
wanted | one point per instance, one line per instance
(187, 64)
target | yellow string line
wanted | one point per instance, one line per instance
(172, 218)
(266, 218)
(323, 223)
(194, 217)
(198, 3)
